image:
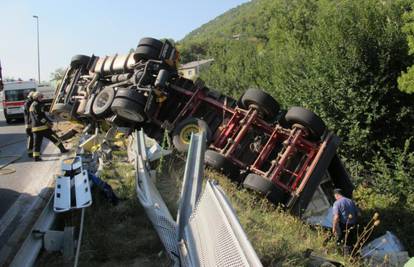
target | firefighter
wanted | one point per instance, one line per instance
(41, 127)
(28, 124)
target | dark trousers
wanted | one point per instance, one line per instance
(48, 134)
(29, 142)
(347, 235)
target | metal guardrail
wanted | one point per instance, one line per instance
(207, 232)
(34, 242)
(28, 252)
(214, 236)
(192, 182)
(152, 201)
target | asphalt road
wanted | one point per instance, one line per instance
(23, 180)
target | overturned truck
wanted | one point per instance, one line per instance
(285, 155)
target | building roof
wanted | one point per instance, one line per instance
(194, 64)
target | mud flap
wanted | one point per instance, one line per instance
(340, 176)
(299, 202)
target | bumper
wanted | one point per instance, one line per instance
(14, 116)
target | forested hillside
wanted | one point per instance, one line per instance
(342, 59)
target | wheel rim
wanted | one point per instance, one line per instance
(102, 100)
(185, 133)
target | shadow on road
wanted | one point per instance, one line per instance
(7, 198)
(8, 139)
(14, 145)
(15, 227)
(15, 122)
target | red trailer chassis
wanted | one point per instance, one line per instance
(288, 156)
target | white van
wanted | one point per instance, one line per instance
(14, 94)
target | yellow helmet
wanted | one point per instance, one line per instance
(36, 95)
(30, 95)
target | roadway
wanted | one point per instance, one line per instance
(23, 183)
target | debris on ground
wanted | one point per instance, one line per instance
(386, 249)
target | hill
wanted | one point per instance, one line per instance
(341, 59)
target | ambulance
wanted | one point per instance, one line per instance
(14, 94)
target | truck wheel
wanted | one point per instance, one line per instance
(306, 118)
(222, 164)
(146, 53)
(101, 106)
(62, 111)
(129, 110)
(131, 94)
(79, 60)
(8, 121)
(148, 41)
(182, 132)
(262, 101)
(265, 187)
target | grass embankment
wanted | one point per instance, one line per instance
(278, 238)
(122, 235)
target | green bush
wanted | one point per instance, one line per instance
(341, 59)
(406, 81)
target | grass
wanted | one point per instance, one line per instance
(278, 238)
(123, 236)
(120, 235)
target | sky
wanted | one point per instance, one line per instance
(99, 27)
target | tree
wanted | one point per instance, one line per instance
(57, 75)
(339, 59)
(406, 81)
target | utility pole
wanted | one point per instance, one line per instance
(38, 48)
(1, 79)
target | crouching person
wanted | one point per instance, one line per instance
(345, 215)
(41, 127)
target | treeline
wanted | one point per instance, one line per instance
(341, 59)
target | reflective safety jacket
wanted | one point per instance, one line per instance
(26, 113)
(38, 117)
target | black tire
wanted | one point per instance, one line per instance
(146, 53)
(101, 106)
(222, 164)
(182, 132)
(308, 119)
(62, 111)
(265, 187)
(129, 110)
(131, 94)
(79, 60)
(8, 121)
(148, 41)
(120, 122)
(264, 102)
